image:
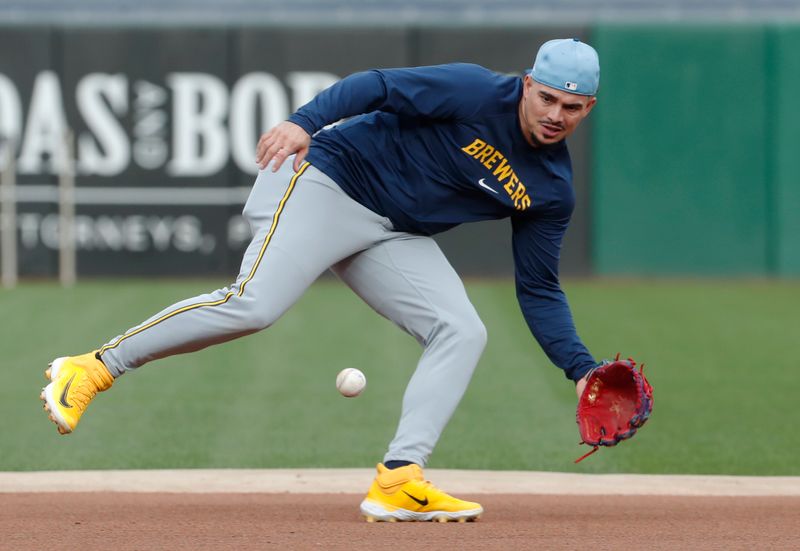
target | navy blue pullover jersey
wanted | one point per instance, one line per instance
(434, 147)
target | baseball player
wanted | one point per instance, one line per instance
(422, 150)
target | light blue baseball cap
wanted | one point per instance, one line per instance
(568, 64)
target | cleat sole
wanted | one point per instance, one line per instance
(377, 512)
(47, 398)
(54, 367)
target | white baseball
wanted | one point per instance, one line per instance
(350, 382)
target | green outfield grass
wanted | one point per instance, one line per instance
(720, 354)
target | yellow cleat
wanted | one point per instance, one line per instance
(75, 381)
(403, 494)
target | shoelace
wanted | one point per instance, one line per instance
(430, 487)
(83, 393)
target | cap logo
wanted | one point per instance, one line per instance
(571, 85)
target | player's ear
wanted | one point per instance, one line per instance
(527, 84)
(590, 105)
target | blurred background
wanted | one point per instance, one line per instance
(687, 166)
(127, 135)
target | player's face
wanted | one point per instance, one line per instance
(548, 115)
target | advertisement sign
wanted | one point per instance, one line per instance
(165, 123)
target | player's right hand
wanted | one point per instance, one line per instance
(283, 140)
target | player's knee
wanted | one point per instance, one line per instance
(474, 331)
(259, 321)
(254, 316)
(466, 329)
(263, 318)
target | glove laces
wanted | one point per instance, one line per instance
(584, 456)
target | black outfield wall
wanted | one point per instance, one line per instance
(165, 124)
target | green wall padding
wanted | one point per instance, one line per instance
(783, 95)
(680, 150)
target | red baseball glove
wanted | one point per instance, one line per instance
(616, 401)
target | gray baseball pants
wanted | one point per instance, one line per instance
(304, 224)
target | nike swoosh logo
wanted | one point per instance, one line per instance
(480, 183)
(63, 398)
(422, 502)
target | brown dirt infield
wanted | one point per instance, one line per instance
(173, 521)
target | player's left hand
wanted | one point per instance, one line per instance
(283, 140)
(580, 384)
(614, 401)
